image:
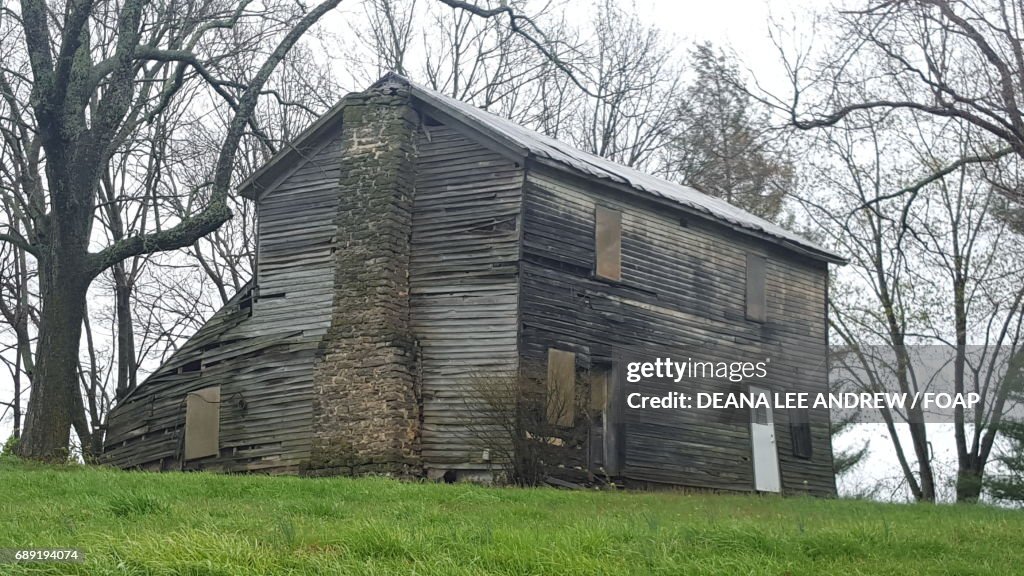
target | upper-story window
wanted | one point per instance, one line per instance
(608, 243)
(756, 299)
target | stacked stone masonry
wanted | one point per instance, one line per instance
(366, 406)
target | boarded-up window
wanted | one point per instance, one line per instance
(561, 408)
(800, 431)
(202, 423)
(608, 243)
(756, 301)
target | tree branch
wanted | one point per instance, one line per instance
(20, 242)
(514, 24)
(940, 174)
(217, 212)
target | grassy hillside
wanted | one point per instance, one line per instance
(204, 524)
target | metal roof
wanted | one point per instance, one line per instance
(559, 154)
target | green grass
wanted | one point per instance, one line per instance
(206, 524)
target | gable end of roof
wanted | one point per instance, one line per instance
(522, 142)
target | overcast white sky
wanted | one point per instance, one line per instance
(742, 25)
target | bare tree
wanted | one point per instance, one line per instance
(19, 314)
(979, 257)
(528, 431)
(103, 75)
(636, 81)
(100, 72)
(609, 87)
(19, 165)
(874, 307)
(937, 58)
(932, 267)
(389, 34)
(470, 58)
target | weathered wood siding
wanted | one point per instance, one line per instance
(682, 294)
(463, 284)
(261, 358)
(296, 228)
(501, 269)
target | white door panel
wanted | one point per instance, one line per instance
(765, 453)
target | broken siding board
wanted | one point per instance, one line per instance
(682, 293)
(463, 286)
(298, 216)
(295, 269)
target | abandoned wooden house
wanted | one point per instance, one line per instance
(409, 243)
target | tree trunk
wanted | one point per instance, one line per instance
(916, 426)
(23, 364)
(924, 464)
(969, 483)
(126, 368)
(16, 404)
(84, 112)
(63, 286)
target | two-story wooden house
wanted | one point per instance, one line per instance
(410, 244)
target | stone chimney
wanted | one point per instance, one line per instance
(366, 411)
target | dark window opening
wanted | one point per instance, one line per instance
(245, 303)
(599, 375)
(598, 379)
(193, 366)
(800, 431)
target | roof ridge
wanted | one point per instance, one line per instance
(602, 168)
(565, 156)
